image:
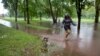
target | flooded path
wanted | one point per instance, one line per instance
(85, 44)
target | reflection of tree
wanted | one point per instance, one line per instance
(16, 26)
(95, 26)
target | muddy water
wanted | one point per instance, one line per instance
(85, 44)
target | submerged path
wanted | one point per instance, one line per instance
(86, 44)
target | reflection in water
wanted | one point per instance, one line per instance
(16, 26)
(95, 26)
(9, 24)
(82, 45)
(6, 23)
(86, 39)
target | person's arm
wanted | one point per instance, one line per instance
(73, 23)
(63, 22)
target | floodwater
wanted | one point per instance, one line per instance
(85, 44)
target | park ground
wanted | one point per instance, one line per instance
(26, 40)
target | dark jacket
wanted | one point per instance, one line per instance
(67, 22)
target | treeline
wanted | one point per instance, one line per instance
(51, 8)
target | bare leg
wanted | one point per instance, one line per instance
(67, 34)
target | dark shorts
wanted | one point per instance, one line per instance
(67, 28)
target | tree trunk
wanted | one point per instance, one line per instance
(79, 10)
(24, 15)
(56, 16)
(97, 16)
(40, 17)
(52, 14)
(54, 21)
(16, 7)
(96, 11)
(27, 12)
(79, 21)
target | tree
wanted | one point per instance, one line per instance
(51, 11)
(27, 11)
(59, 8)
(22, 9)
(12, 5)
(97, 4)
(39, 9)
(15, 9)
(79, 6)
(24, 3)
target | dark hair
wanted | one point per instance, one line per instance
(67, 17)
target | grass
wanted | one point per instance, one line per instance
(35, 23)
(45, 24)
(17, 43)
(84, 20)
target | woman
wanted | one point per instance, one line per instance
(67, 24)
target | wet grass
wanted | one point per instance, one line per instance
(46, 23)
(17, 43)
(35, 23)
(84, 20)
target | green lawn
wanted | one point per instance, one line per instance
(84, 20)
(45, 24)
(17, 43)
(35, 23)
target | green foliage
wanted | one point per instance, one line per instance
(39, 8)
(36, 7)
